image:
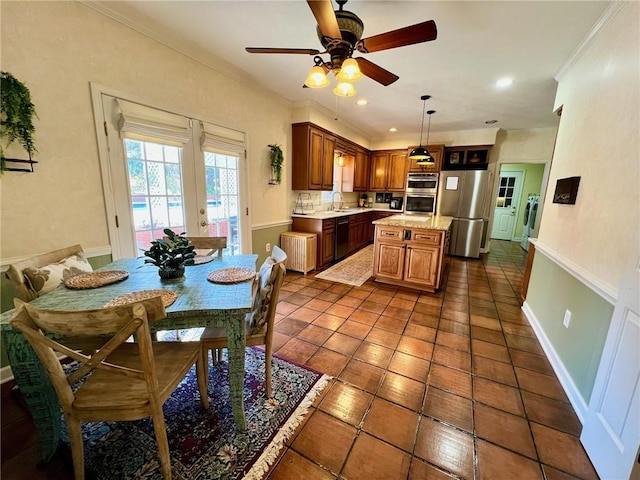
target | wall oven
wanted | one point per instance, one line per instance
(421, 193)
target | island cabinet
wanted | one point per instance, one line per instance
(326, 231)
(436, 151)
(312, 158)
(388, 171)
(411, 257)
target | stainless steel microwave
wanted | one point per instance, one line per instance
(422, 182)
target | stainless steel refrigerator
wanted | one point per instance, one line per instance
(464, 195)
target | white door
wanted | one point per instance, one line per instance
(160, 175)
(611, 431)
(506, 210)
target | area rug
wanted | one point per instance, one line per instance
(204, 444)
(353, 270)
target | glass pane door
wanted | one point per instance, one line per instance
(155, 187)
(221, 173)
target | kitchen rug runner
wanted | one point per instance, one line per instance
(353, 270)
(204, 444)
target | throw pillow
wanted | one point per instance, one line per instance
(262, 299)
(42, 280)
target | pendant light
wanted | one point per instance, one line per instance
(421, 154)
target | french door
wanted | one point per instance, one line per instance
(507, 203)
(168, 171)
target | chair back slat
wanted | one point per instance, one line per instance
(207, 245)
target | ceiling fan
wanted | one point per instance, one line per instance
(340, 34)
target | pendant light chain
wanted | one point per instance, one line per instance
(424, 107)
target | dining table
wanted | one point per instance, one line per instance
(199, 303)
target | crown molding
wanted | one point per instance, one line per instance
(187, 49)
(610, 12)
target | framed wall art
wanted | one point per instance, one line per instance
(566, 190)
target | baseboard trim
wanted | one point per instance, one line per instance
(569, 387)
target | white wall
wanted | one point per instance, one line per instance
(56, 49)
(599, 140)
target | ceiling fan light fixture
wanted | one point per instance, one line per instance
(344, 89)
(350, 71)
(317, 78)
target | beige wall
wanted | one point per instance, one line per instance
(56, 49)
(599, 140)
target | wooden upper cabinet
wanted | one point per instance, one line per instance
(388, 170)
(327, 162)
(361, 171)
(436, 151)
(312, 158)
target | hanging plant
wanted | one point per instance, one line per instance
(277, 159)
(17, 113)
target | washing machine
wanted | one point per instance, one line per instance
(529, 219)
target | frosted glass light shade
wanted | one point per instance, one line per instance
(350, 71)
(317, 78)
(344, 89)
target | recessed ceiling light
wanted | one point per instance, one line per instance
(362, 101)
(393, 129)
(504, 82)
(489, 122)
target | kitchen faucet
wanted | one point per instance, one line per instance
(333, 197)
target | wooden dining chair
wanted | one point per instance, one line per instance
(121, 380)
(207, 245)
(41, 273)
(211, 244)
(259, 322)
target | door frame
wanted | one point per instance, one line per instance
(97, 91)
(523, 175)
(496, 183)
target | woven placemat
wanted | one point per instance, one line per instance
(96, 279)
(168, 297)
(200, 259)
(231, 275)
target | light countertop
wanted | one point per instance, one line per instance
(430, 222)
(321, 215)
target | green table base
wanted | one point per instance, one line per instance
(199, 304)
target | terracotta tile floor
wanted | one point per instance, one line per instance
(427, 386)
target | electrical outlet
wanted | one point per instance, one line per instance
(567, 318)
(267, 247)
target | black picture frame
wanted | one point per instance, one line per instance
(566, 191)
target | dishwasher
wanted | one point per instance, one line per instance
(342, 237)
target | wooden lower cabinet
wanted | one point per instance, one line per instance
(412, 257)
(359, 230)
(326, 231)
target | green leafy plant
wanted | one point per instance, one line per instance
(17, 113)
(277, 159)
(174, 252)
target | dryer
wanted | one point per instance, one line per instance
(529, 219)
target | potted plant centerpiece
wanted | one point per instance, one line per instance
(170, 254)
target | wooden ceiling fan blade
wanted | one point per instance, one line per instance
(375, 72)
(421, 32)
(304, 51)
(325, 16)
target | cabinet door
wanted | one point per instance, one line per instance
(328, 241)
(397, 171)
(437, 152)
(316, 156)
(388, 260)
(379, 166)
(422, 265)
(361, 174)
(327, 162)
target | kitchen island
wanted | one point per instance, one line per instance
(409, 250)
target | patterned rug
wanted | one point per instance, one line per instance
(204, 444)
(353, 270)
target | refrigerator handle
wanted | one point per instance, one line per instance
(488, 195)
